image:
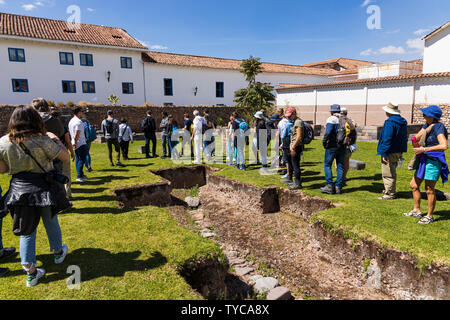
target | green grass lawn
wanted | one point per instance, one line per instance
(123, 254)
(135, 254)
(362, 214)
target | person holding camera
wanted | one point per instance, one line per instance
(27, 153)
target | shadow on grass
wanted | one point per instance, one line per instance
(442, 215)
(103, 180)
(98, 210)
(89, 191)
(98, 198)
(375, 177)
(96, 263)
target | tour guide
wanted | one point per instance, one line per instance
(393, 143)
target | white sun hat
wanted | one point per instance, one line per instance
(392, 108)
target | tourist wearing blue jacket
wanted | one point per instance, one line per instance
(391, 146)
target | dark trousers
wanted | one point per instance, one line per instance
(115, 143)
(124, 146)
(150, 137)
(294, 165)
(165, 144)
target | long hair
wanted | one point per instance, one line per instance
(25, 122)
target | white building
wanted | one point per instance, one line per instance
(437, 48)
(46, 58)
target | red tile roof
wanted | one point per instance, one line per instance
(348, 64)
(231, 64)
(46, 29)
(365, 81)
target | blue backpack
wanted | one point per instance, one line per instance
(243, 126)
(89, 132)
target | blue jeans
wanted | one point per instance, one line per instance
(28, 243)
(81, 154)
(88, 156)
(339, 155)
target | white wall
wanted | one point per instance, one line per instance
(45, 73)
(436, 55)
(185, 79)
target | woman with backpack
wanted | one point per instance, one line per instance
(25, 152)
(91, 135)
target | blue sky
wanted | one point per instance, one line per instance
(283, 31)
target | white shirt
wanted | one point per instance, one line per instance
(125, 133)
(77, 125)
(198, 123)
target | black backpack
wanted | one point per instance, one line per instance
(147, 125)
(109, 127)
(308, 133)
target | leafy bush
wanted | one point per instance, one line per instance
(70, 104)
(60, 105)
(113, 99)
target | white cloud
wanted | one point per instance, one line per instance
(421, 31)
(393, 31)
(28, 7)
(366, 3)
(384, 50)
(90, 9)
(368, 52)
(417, 44)
(392, 50)
(2, 1)
(158, 47)
(39, 3)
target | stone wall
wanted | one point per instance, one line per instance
(418, 115)
(133, 114)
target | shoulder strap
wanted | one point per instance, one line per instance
(28, 153)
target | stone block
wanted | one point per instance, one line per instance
(192, 202)
(279, 293)
(244, 271)
(357, 165)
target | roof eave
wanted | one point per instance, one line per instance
(5, 36)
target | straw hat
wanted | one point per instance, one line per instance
(392, 108)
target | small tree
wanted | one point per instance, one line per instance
(113, 99)
(257, 96)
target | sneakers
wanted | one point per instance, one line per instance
(82, 179)
(119, 164)
(33, 279)
(7, 253)
(388, 197)
(285, 176)
(328, 189)
(338, 190)
(414, 214)
(294, 186)
(59, 258)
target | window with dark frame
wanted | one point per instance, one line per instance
(86, 60)
(66, 58)
(219, 89)
(168, 87)
(127, 88)
(88, 86)
(20, 85)
(126, 63)
(16, 55)
(69, 87)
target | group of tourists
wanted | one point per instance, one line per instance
(38, 148)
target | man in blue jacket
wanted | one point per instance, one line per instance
(391, 146)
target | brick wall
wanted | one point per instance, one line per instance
(418, 115)
(134, 115)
